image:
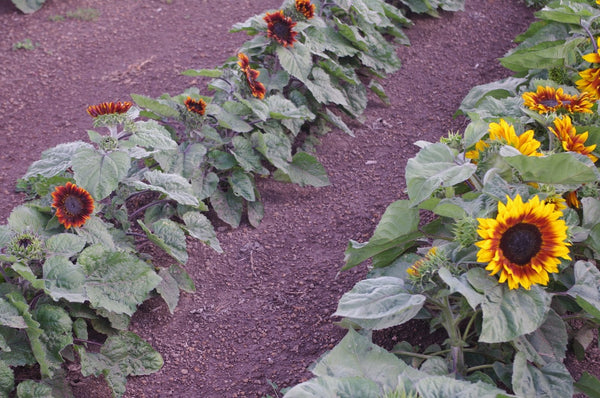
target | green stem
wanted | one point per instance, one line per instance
(412, 354)
(468, 327)
(480, 367)
(450, 323)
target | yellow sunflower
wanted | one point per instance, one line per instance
(593, 58)
(590, 82)
(195, 106)
(571, 141)
(572, 200)
(306, 8)
(416, 270)
(549, 99)
(524, 242)
(504, 133)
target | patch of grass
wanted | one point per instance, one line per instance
(25, 44)
(81, 14)
(57, 18)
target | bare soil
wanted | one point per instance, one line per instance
(263, 309)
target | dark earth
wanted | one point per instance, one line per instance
(262, 310)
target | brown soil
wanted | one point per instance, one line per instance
(263, 308)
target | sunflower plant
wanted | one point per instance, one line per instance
(497, 243)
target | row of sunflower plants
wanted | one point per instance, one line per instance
(498, 242)
(71, 270)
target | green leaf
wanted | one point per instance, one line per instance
(65, 244)
(7, 379)
(168, 289)
(200, 227)
(503, 88)
(27, 219)
(151, 135)
(546, 344)
(56, 160)
(297, 61)
(446, 387)
(64, 280)
(337, 121)
(335, 387)
(174, 186)
(588, 385)
(19, 350)
(228, 207)
(551, 381)
(379, 91)
(545, 55)
(203, 72)
(276, 148)
(184, 281)
(100, 173)
(461, 285)
(558, 168)
(28, 6)
(57, 331)
(26, 273)
(122, 355)
(304, 170)
(227, 119)
(116, 281)
(256, 212)
(399, 224)
(586, 288)
(169, 236)
(357, 356)
(510, 313)
(434, 166)
(246, 156)
(10, 316)
(156, 106)
(321, 87)
(242, 184)
(96, 231)
(32, 389)
(379, 303)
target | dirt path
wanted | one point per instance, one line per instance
(262, 310)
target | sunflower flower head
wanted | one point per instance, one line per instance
(593, 58)
(590, 82)
(281, 28)
(502, 133)
(109, 113)
(26, 246)
(73, 205)
(257, 88)
(571, 141)
(524, 243)
(572, 200)
(549, 99)
(305, 8)
(195, 106)
(423, 270)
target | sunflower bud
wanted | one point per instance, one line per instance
(26, 246)
(109, 143)
(465, 231)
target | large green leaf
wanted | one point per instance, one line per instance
(558, 168)
(248, 158)
(27, 219)
(461, 285)
(507, 87)
(228, 207)
(65, 244)
(242, 184)
(28, 6)
(567, 13)
(335, 387)
(10, 316)
(174, 186)
(57, 331)
(546, 344)
(168, 289)
(157, 106)
(550, 381)
(546, 55)
(33, 389)
(228, 120)
(446, 387)
(169, 236)
(7, 379)
(122, 355)
(588, 385)
(151, 135)
(18, 350)
(324, 91)
(64, 280)
(398, 225)
(116, 281)
(56, 160)
(276, 148)
(304, 170)
(200, 227)
(379, 303)
(434, 166)
(586, 289)
(297, 61)
(100, 173)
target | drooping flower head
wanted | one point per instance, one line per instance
(549, 99)
(593, 58)
(571, 141)
(504, 133)
(426, 266)
(108, 108)
(590, 82)
(524, 242)
(572, 200)
(195, 106)
(73, 205)
(258, 89)
(281, 28)
(306, 8)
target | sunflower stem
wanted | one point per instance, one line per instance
(412, 354)
(143, 208)
(456, 344)
(479, 367)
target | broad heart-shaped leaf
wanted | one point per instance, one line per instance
(510, 313)
(276, 148)
(242, 184)
(28, 6)
(57, 331)
(155, 106)
(65, 244)
(228, 207)
(545, 55)
(304, 170)
(248, 158)
(546, 344)
(335, 387)
(200, 227)
(7, 379)
(122, 355)
(55, 160)
(169, 236)
(379, 303)
(116, 281)
(281, 108)
(550, 381)
(168, 289)
(357, 356)
(151, 135)
(174, 186)
(64, 280)
(33, 389)
(255, 212)
(323, 90)
(500, 89)
(24, 218)
(434, 167)
(461, 285)
(558, 168)
(18, 350)
(398, 224)
(186, 160)
(586, 288)
(446, 387)
(10, 316)
(229, 120)
(100, 173)
(297, 61)
(184, 281)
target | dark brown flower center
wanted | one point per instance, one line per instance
(24, 243)
(73, 205)
(521, 242)
(550, 103)
(281, 30)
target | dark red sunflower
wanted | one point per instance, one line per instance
(306, 8)
(196, 106)
(108, 108)
(73, 205)
(258, 89)
(281, 28)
